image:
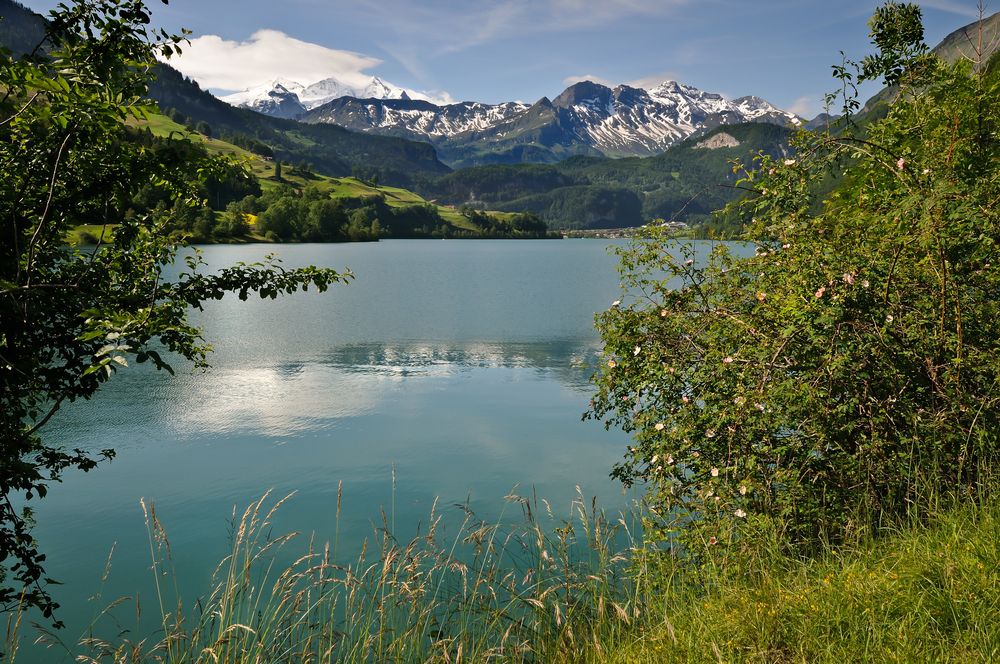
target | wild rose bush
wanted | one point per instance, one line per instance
(847, 371)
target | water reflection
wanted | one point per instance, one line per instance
(289, 399)
(571, 361)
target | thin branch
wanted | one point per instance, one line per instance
(736, 186)
(48, 416)
(10, 366)
(48, 206)
(28, 287)
(23, 109)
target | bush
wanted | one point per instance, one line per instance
(846, 373)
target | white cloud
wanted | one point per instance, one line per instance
(804, 107)
(653, 80)
(961, 7)
(268, 54)
(594, 78)
(484, 22)
(230, 66)
(439, 97)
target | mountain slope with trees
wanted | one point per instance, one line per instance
(685, 183)
(331, 149)
(20, 28)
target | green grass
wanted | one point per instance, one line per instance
(90, 234)
(162, 126)
(926, 594)
(352, 188)
(347, 187)
(456, 218)
(401, 197)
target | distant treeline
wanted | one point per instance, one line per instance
(310, 215)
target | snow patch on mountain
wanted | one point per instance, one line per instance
(415, 117)
(755, 108)
(639, 121)
(690, 102)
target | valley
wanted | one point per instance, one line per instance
(250, 412)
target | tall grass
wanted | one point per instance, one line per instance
(526, 587)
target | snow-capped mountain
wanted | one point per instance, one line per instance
(288, 99)
(636, 121)
(587, 118)
(417, 117)
(279, 98)
(328, 89)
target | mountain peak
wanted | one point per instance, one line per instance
(667, 87)
(757, 109)
(278, 98)
(287, 98)
(582, 92)
(285, 83)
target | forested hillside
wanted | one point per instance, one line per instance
(686, 183)
(20, 28)
(330, 149)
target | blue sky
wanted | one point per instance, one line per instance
(523, 49)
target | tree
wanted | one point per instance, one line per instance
(845, 374)
(326, 220)
(70, 319)
(234, 219)
(283, 217)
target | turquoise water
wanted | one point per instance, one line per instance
(459, 367)
(463, 365)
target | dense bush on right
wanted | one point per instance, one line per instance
(847, 373)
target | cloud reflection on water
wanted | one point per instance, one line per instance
(289, 399)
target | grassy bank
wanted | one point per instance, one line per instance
(545, 590)
(924, 594)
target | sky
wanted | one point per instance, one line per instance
(504, 50)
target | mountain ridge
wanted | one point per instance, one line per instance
(587, 118)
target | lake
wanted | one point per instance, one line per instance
(461, 368)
